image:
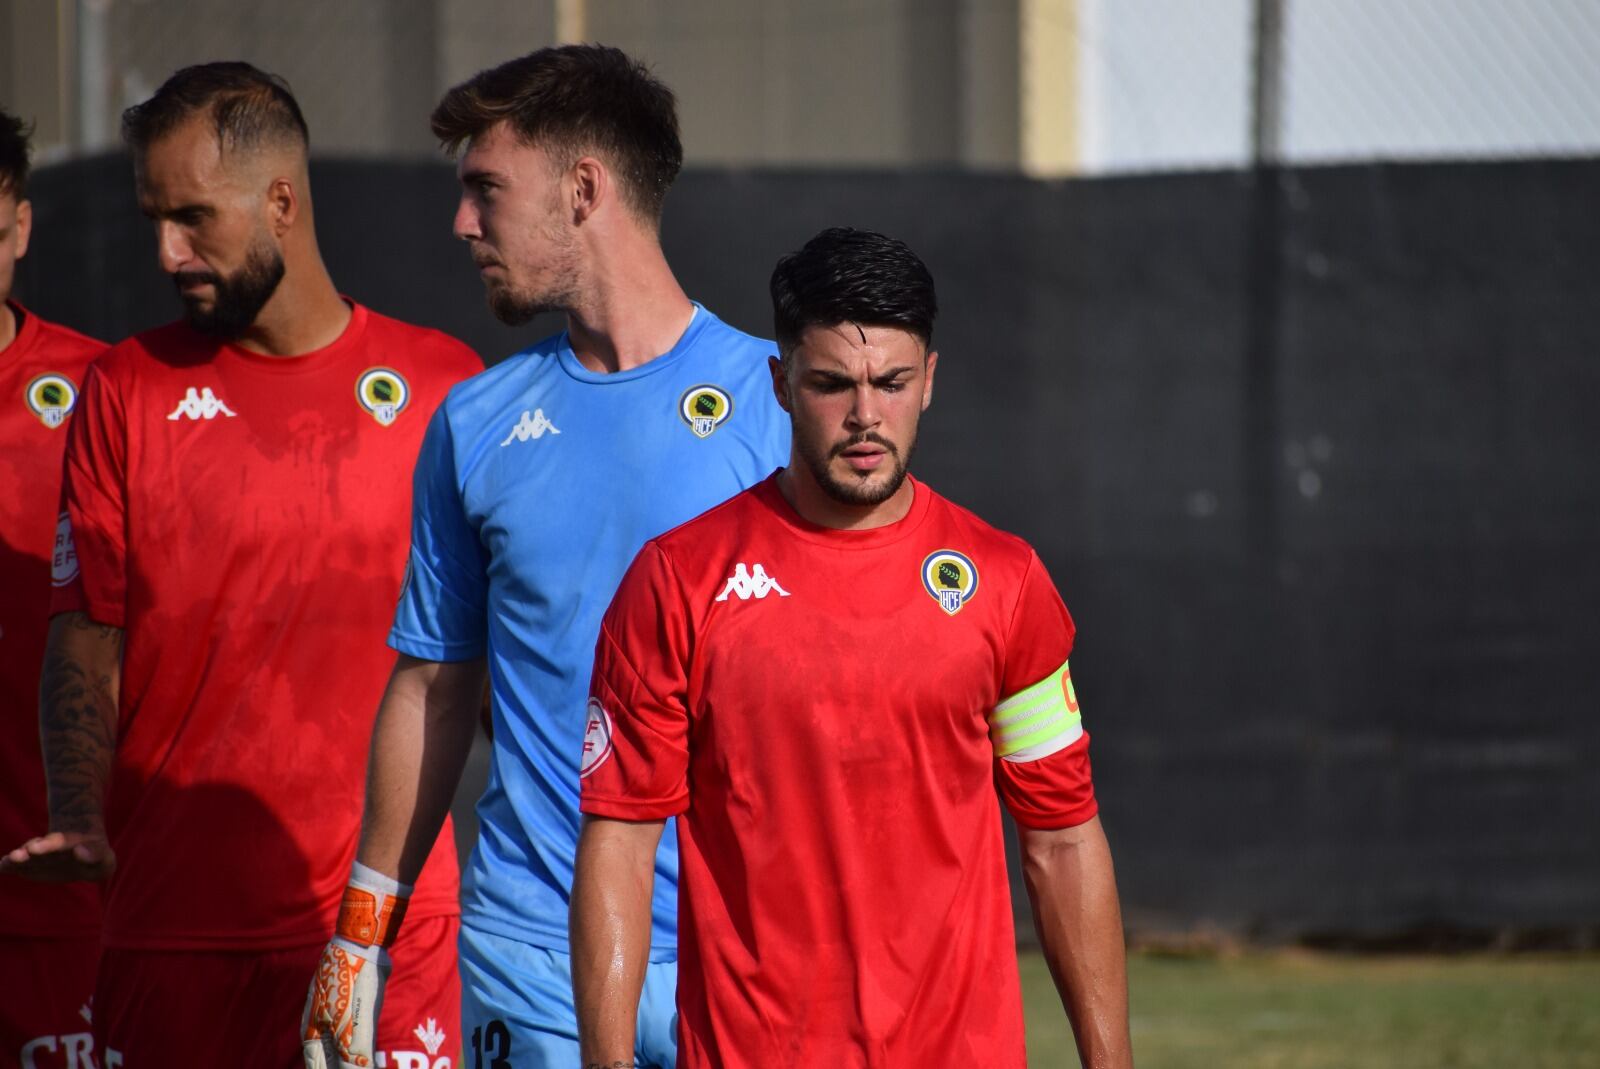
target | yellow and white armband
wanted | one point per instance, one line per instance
(1037, 721)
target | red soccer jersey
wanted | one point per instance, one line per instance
(40, 373)
(830, 712)
(246, 520)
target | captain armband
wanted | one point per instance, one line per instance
(1037, 721)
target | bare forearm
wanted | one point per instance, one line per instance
(1072, 886)
(78, 690)
(420, 741)
(610, 930)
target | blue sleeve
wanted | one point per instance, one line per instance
(443, 610)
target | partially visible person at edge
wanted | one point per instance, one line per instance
(49, 936)
(233, 493)
(538, 482)
(825, 680)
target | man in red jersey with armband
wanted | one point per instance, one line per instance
(49, 937)
(238, 502)
(825, 679)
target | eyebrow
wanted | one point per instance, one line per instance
(479, 174)
(839, 376)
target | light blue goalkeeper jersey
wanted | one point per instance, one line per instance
(537, 483)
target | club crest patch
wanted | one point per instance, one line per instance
(596, 738)
(50, 397)
(950, 578)
(383, 392)
(705, 408)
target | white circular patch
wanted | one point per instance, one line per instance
(384, 392)
(64, 557)
(596, 738)
(51, 397)
(705, 408)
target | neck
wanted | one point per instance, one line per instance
(633, 309)
(8, 324)
(304, 314)
(815, 505)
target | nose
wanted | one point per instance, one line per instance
(466, 226)
(172, 247)
(863, 414)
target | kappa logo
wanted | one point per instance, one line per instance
(751, 583)
(50, 398)
(950, 578)
(200, 404)
(596, 738)
(531, 425)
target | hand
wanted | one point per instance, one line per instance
(63, 856)
(341, 1016)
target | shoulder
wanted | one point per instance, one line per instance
(491, 388)
(150, 352)
(442, 350)
(690, 539)
(732, 343)
(980, 531)
(65, 344)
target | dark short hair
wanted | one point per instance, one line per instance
(249, 108)
(14, 166)
(574, 99)
(852, 276)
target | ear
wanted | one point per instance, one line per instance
(780, 384)
(283, 206)
(928, 364)
(24, 226)
(591, 187)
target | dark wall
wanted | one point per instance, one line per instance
(1312, 457)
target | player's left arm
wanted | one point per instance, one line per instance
(1073, 891)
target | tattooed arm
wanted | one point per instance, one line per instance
(78, 691)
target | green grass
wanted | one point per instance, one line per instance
(1303, 1011)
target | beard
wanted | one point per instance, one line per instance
(515, 305)
(858, 489)
(239, 297)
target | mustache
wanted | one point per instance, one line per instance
(181, 278)
(862, 439)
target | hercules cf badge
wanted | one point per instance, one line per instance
(950, 578)
(383, 392)
(51, 397)
(705, 408)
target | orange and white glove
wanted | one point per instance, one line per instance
(341, 1018)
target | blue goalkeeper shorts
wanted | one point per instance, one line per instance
(516, 1007)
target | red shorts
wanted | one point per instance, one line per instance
(156, 1008)
(45, 985)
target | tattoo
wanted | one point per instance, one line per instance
(77, 724)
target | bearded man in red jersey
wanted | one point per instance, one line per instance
(48, 935)
(825, 679)
(237, 498)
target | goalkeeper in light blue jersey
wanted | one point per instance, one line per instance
(538, 482)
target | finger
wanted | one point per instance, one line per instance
(316, 1053)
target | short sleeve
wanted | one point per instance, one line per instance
(635, 758)
(443, 609)
(1041, 748)
(89, 563)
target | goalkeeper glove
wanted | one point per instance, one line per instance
(340, 1023)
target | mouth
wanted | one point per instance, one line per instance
(865, 457)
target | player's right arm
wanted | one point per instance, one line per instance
(78, 690)
(612, 882)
